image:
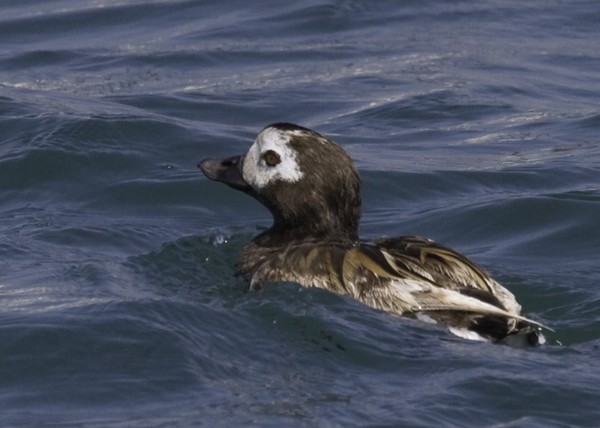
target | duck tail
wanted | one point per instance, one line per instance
(499, 329)
(525, 335)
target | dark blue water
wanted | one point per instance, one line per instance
(476, 124)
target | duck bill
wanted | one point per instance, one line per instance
(228, 171)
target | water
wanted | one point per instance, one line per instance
(475, 124)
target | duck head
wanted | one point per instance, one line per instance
(308, 182)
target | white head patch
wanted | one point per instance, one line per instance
(259, 170)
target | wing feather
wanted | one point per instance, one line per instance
(413, 275)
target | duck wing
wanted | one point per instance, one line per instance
(415, 276)
(446, 268)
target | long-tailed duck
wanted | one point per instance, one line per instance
(312, 189)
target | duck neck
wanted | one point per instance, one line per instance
(309, 230)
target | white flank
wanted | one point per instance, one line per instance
(257, 173)
(425, 318)
(466, 334)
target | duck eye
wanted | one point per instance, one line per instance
(271, 158)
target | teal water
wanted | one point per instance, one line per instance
(475, 124)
